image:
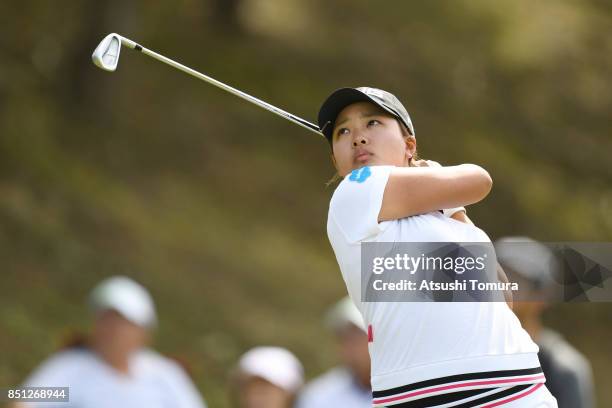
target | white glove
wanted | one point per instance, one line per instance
(450, 211)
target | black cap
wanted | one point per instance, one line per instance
(343, 97)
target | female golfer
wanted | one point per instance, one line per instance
(424, 354)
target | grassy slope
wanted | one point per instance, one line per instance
(219, 207)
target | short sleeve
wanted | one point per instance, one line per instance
(178, 387)
(357, 201)
(55, 371)
(186, 391)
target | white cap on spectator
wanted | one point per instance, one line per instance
(344, 312)
(528, 258)
(275, 365)
(126, 297)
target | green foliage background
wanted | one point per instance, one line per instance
(219, 207)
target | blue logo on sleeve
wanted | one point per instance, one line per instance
(360, 175)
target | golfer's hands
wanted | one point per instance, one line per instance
(427, 163)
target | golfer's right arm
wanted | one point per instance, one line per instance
(419, 190)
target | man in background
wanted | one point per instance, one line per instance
(534, 267)
(114, 367)
(347, 385)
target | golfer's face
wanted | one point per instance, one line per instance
(364, 134)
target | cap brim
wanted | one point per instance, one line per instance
(334, 104)
(338, 100)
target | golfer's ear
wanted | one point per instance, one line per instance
(410, 144)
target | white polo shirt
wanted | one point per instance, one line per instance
(154, 381)
(414, 342)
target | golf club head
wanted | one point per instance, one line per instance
(106, 54)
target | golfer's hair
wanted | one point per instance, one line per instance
(335, 179)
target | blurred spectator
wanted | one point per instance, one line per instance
(267, 377)
(114, 368)
(532, 265)
(348, 385)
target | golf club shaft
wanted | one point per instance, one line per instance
(289, 116)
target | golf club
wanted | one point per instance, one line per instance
(106, 56)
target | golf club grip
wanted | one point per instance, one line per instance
(289, 116)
